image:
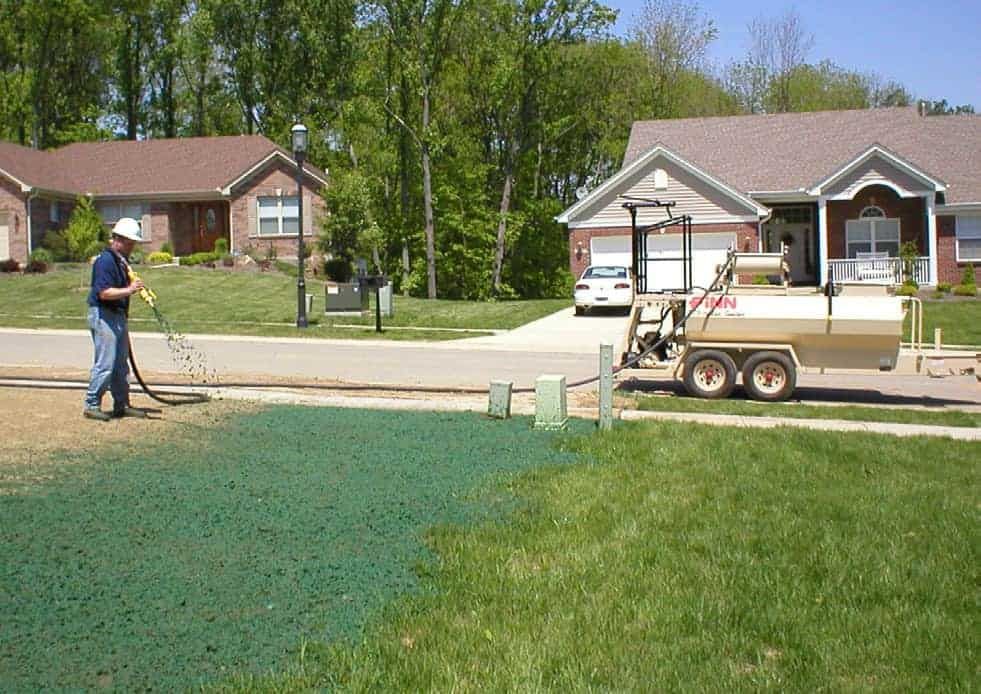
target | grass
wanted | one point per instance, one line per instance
(692, 558)
(248, 556)
(959, 319)
(164, 566)
(799, 411)
(217, 301)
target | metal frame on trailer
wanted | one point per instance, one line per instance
(638, 235)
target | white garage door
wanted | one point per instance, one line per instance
(708, 251)
(610, 250)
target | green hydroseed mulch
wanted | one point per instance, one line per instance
(172, 566)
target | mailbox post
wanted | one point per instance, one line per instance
(375, 282)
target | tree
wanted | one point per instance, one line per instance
(675, 37)
(942, 108)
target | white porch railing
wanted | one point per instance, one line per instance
(878, 270)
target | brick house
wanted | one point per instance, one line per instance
(843, 190)
(187, 192)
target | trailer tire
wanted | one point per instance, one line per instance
(580, 310)
(769, 376)
(710, 374)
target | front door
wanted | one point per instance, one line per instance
(209, 225)
(793, 227)
(4, 237)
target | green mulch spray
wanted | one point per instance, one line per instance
(221, 553)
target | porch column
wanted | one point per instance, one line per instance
(931, 219)
(823, 236)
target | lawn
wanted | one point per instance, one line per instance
(960, 320)
(949, 418)
(203, 300)
(315, 549)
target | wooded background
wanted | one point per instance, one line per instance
(453, 130)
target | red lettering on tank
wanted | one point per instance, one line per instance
(713, 302)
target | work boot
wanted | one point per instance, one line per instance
(128, 411)
(96, 413)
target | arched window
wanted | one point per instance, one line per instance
(872, 211)
(872, 235)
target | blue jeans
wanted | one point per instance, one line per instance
(110, 368)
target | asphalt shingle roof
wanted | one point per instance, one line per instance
(126, 167)
(792, 151)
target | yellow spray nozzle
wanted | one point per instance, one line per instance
(147, 294)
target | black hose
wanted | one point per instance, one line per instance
(173, 398)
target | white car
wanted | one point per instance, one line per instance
(604, 285)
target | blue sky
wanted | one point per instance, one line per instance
(932, 49)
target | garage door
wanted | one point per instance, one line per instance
(610, 250)
(708, 251)
(4, 237)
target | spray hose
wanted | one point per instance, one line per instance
(150, 297)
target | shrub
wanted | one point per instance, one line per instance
(338, 269)
(908, 288)
(943, 287)
(271, 253)
(42, 255)
(9, 265)
(136, 257)
(159, 258)
(37, 267)
(968, 285)
(228, 260)
(221, 246)
(85, 234)
(760, 279)
(57, 244)
(199, 258)
(165, 247)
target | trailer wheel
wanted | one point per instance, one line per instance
(710, 374)
(769, 376)
(580, 310)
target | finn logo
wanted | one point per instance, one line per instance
(712, 302)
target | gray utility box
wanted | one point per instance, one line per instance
(387, 303)
(345, 297)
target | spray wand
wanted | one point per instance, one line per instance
(147, 294)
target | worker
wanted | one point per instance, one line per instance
(108, 310)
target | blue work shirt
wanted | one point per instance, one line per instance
(108, 271)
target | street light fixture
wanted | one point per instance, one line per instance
(299, 132)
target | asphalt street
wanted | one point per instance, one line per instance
(472, 362)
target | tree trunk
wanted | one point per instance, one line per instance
(502, 227)
(427, 199)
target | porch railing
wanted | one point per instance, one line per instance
(878, 270)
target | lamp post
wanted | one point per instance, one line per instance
(299, 133)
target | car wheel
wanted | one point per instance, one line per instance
(769, 376)
(710, 374)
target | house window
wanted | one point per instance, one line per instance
(968, 236)
(112, 212)
(279, 216)
(872, 212)
(872, 235)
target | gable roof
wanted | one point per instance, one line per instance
(179, 166)
(795, 151)
(658, 151)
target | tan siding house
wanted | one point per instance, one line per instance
(834, 188)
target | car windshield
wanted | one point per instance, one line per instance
(602, 271)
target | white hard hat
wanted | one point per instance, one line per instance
(128, 228)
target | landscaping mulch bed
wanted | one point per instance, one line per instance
(222, 547)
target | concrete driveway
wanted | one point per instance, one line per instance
(563, 331)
